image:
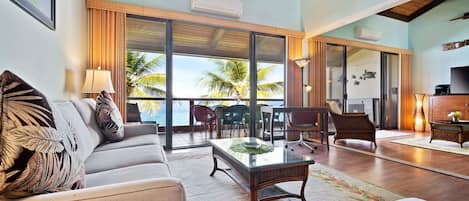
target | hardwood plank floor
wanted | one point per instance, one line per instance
(445, 161)
(400, 178)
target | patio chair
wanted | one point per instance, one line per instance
(352, 125)
(133, 113)
(205, 116)
(303, 122)
(234, 116)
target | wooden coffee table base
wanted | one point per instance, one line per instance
(260, 183)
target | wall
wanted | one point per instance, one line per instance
(356, 65)
(321, 16)
(278, 13)
(395, 33)
(427, 33)
(39, 55)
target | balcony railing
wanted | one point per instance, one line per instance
(185, 120)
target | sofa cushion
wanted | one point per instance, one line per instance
(38, 151)
(132, 141)
(109, 118)
(119, 158)
(87, 141)
(87, 109)
(126, 174)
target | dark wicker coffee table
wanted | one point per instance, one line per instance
(258, 173)
(450, 131)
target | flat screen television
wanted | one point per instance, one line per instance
(460, 80)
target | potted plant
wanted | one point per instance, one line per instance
(455, 116)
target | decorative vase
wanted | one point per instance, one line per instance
(455, 119)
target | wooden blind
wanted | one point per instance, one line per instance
(406, 94)
(317, 72)
(107, 49)
(294, 88)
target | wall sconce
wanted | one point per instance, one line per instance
(302, 63)
(419, 116)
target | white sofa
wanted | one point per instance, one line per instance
(130, 170)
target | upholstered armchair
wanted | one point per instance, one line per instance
(352, 125)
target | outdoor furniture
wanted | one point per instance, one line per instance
(303, 122)
(205, 116)
(258, 173)
(352, 125)
(269, 112)
(133, 113)
(450, 131)
(234, 116)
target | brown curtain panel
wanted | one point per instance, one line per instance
(107, 49)
(406, 94)
(317, 72)
(294, 88)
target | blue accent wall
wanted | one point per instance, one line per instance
(427, 33)
(394, 33)
(278, 13)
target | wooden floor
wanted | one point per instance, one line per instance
(450, 162)
(400, 178)
(397, 177)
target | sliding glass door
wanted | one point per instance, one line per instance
(201, 82)
(146, 72)
(363, 80)
(269, 68)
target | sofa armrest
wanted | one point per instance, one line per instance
(159, 189)
(140, 129)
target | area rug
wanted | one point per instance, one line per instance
(440, 145)
(380, 134)
(324, 184)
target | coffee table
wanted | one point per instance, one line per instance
(450, 131)
(258, 173)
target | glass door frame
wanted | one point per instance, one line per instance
(168, 99)
(253, 76)
(344, 75)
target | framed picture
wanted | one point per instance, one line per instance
(42, 10)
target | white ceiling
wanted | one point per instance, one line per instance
(321, 16)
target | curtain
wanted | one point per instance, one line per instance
(294, 88)
(317, 72)
(406, 121)
(107, 48)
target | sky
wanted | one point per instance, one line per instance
(189, 70)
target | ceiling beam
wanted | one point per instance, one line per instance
(217, 35)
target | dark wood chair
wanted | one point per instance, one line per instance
(206, 116)
(352, 125)
(302, 122)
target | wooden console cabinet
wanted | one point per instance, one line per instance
(440, 106)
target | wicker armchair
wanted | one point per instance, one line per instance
(352, 125)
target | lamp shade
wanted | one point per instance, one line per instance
(97, 80)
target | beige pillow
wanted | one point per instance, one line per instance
(109, 118)
(38, 147)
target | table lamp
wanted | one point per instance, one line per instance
(97, 80)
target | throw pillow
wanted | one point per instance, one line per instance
(109, 118)
(37, 151)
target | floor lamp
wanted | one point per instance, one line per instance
(302, 63)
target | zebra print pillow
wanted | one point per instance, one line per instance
(38, 148)
(109, 118)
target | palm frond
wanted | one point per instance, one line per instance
(262, 73)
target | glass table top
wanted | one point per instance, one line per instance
(278, 156)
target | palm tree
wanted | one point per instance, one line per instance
(142, 81)
(231, 79)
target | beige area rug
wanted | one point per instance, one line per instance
(440, 145)
(324, 184)
(380, 134)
